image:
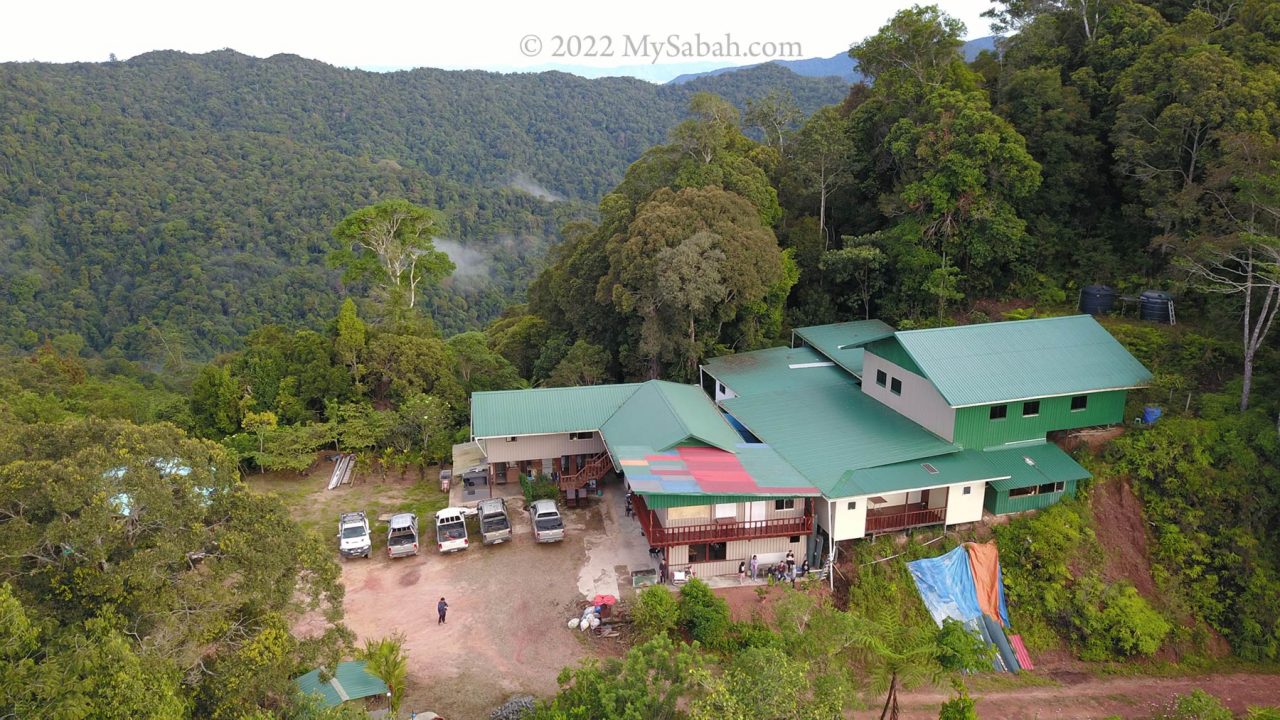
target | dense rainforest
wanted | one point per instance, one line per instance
(168, 205)
(239, 263)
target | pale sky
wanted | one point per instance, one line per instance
(456, 34)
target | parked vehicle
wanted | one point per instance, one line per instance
(548, 526)
(451, 529)
(353, 535)
(495, 526)
(402, 535)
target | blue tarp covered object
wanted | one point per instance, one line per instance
(946, 586)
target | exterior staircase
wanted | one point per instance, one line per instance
(595, 469)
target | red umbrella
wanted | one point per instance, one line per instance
(604, 600)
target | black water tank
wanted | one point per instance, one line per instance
(1097, 299)
(1156, 305)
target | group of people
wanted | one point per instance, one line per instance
(785, 570)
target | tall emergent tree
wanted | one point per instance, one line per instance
(1244, 260)
(389, 244)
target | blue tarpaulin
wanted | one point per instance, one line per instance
(946, 586)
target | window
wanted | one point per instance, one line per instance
(706, 552)
(1079, 402)
(511, 439)
(581, 435)
(1045, 489)
(721, 386)
(789, 504)
(1031, 408)
(881, 378)
(853, 504)
(968, 490)
(895, 386)
(999, 412)
(795, 539)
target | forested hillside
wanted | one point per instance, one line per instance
(169, 204)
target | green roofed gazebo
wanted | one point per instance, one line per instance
(1037, 476)
(351, 681)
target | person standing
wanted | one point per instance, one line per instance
(742, 571)
(442, 607)
(791, 561)
(662, 572)
(755, 566)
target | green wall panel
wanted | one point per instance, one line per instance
(975, 429)
(998, 502)
(891, 350)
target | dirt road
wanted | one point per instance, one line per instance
(1083, 697)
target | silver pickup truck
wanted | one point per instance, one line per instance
(402, 535)
(548, 526)
(495, 526)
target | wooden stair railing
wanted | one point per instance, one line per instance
(595, 469)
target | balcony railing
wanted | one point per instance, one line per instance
(902, 517)
(660, 536)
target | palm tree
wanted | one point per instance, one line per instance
(386, 660)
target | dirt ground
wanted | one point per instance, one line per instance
(1118, 515)
(509, 604)
(1084, 697)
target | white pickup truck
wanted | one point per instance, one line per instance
(402, 535)
(495, 525)
(353, 535)
(451, 529)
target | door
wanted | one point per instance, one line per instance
(755, 510)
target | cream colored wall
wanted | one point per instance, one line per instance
(920, 400)
(538, 447)
(703, 514)
(847, 524)
(963, 508)
(768, 551)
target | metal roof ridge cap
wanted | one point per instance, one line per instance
(997, 322)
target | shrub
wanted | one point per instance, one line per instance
(656, 611)
(960, 707)
(1131, 625)
(539, 488)
(704, 615)
(1199, 705)
(962, 650)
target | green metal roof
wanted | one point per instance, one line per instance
(842, 342)
(775, 369)
(504, 413)
(661, 414)
(351, 681)
(825, 432)
(963, 466)
(1051, 465)
(1007, 361)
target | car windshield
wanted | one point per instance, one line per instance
(548, 522)
(352, 531)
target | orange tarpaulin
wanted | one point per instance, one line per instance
(984, 560)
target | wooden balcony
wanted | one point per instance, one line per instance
(724, 531)
(902, 517)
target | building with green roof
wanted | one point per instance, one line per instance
(857, 430)
(351, 680)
